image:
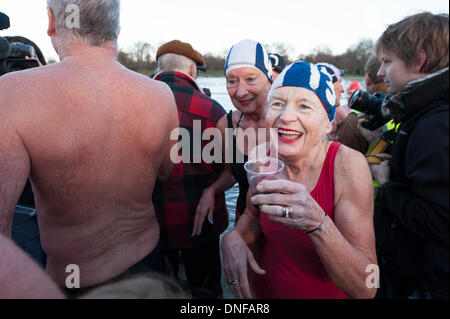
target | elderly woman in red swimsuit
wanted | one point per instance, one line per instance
(318, 222)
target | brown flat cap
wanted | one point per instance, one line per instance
(181, 48)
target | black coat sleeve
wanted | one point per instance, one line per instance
(422, 204)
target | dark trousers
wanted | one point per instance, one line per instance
(388, 290)
(151, 263)
(25, 233)
(202, 266)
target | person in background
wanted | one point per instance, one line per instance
(354, 85)
(348, 132)
(248, 73)
(19, 39)
(336, 77)
(25, 231)
(412, 207)
(93, 137)
(185, 229)
(27, 197)
(318, 222)
(373, 82)
(278, 64)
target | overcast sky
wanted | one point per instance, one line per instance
(214, 26)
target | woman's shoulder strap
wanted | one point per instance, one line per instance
(230, 119)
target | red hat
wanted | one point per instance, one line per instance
(355, 85)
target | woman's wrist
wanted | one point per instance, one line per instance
(211, 189)
(320, 227)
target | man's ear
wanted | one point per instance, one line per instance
(51, 31)
(368, 81)
(193, 70)
(420, 62)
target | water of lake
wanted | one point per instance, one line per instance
(220, 94)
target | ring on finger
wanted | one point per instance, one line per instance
(287, 211)
(233, 282)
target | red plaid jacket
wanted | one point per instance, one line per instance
(176, 199)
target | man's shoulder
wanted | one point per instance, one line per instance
(14, 81)
(197, 103)
(217, 109)
(15, 87)
(153, 92)
(430, 118)
(145, 81)
(437, 113)
(432, 126)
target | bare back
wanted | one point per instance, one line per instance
(97, 136)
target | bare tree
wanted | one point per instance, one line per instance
(141, 52)
(281, 48)
(139, 58)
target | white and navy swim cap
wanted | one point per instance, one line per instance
(335, 73)
(249, 53)
(278, 62)
(307, 75)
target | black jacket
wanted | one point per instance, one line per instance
(412, 209)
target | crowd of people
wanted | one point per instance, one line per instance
(88, 147)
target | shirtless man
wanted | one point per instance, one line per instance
(93, 137)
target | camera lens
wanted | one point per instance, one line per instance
(356, 100)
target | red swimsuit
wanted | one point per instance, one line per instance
(293, 268)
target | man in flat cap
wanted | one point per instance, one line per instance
(183, 226)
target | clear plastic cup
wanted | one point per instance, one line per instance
(264, 168)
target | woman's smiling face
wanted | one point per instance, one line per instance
(248, 88)
(300, 119)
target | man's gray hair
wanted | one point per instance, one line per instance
(99, 20)
(172, 62)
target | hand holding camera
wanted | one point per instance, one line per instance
(380, 172)
(16, 57)
(372, 136)
(371, 105)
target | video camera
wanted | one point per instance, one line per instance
(13, 57)
(4, 21)
(380, 108)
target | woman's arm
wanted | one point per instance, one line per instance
(225, 181)
(346, 246)
(206, 204)
(236, 255)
